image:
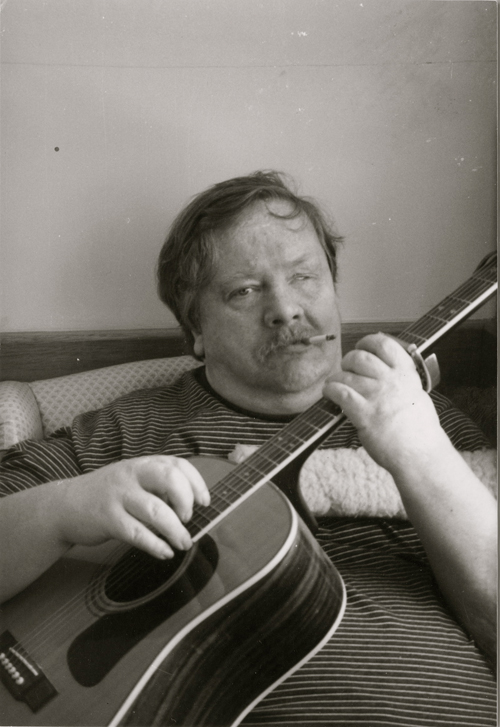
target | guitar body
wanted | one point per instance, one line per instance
(116, 637)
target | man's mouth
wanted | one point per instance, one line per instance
(287, 340)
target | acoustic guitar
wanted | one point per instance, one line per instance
(112, 636)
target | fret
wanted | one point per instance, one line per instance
(452, 304)
(409, 336)
(237, 482)
(487, 274)
(286, 442)
(249, 472)
(220, 500)
(472, 290)
(265, 461)
(437, 318)
(198, 523)
(210, 513)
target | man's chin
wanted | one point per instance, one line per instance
(293, 376)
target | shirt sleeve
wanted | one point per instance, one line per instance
(34, 462)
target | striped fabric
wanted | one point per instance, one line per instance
(398, 657)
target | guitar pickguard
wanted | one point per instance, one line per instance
(95, 651)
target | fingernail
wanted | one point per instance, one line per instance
(186, 541)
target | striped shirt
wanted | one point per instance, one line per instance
(398, 657)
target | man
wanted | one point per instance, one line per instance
(249, 270)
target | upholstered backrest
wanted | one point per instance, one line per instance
(35, 410)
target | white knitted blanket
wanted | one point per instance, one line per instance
(347, 482)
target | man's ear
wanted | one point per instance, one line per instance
(198, 346)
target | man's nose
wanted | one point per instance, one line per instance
(282, 307)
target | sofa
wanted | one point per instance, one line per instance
(37, 409)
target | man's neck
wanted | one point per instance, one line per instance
(262, 401)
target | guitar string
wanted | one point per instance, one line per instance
(447, 307)
(468, 290)
(425, 328)
(432, 321)
(240, 485)
(32, 640)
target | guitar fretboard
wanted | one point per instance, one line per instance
(454, 308)
(269, 459)
(325, 416)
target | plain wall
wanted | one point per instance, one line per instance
(115, 112)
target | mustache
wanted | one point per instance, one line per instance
(283, 338)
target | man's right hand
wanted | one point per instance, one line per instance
(127, 500)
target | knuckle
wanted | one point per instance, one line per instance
(135, 535)
(170, 464)
(128, 467)
(156, 509)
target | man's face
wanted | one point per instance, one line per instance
(272, 287)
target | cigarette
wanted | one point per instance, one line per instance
(319, 339)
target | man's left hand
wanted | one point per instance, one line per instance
(380, 391)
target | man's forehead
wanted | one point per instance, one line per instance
(266, 213)
(263, 238)
(263, 216)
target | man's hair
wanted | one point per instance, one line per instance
(189, 255)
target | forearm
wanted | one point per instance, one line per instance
(456, 518)
(140, 501)
(30, 537)
(453, 513)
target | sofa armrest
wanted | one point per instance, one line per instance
(19, 414)
(37, 409)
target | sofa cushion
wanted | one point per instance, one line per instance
(33, 411)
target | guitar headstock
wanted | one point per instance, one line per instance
(489, 262)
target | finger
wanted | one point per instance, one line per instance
(177, 473)
(345, 396)
(163, 477)
(200, 489)
(386, 348)
(136, 534)
(364, 363)
(153, 511)
(363, 385)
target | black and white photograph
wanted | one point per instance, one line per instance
(248, 363)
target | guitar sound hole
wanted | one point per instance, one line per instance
(138, 574)
(131, 584)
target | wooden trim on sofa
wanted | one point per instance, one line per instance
(467, 355)
(44, 355)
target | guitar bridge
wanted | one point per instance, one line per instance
(22, 676)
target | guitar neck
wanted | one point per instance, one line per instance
(325, 416)
(453, 309)
(267, 461)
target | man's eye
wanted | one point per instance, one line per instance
(242, 292)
